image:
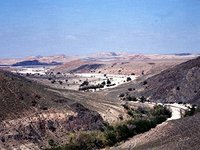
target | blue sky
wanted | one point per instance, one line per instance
(47, 27)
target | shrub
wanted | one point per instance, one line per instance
(121, 95)
(145, 82)
(85, 83)
(87, 141)
(60, 82)
(142, 99)
(3, 139)
(126, 106)
(122, 132)
(108, 81)
(130, 113)
(191, 111)
(37, 96)
(142, 72)
(131, 98)
(143, 126)
(103, 83)
(130, 89)
(160, 110)
(128, 79)
(159, 119)
(142, 110)
(180, 102)
(110, 135)
(120, 117)
(51, 142)
(34, 103)
(53, 81)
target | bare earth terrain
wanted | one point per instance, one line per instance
(73, 94)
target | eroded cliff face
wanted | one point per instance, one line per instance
(35, 130)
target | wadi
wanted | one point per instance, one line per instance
(128, 101)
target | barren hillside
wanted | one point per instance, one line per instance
(175, 84)
(30, 114)
(178, 84)
(179, 134)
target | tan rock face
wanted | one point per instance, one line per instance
(34, 128)
(34, 118)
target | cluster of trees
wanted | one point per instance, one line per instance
(86, 86)
(128, 79)
(127, 97)
(112, 134)
(159, 113)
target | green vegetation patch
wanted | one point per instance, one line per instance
(112, 134)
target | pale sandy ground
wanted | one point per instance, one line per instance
(177, 110)
(115, 79)
(74, 80)
(31, 70)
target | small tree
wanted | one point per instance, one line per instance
(142, 99)
(85, 83)
(130, 89)
(103, 83)
(52, 143)
(121, 95)
(145, 82)
(53, 81)
(108, 81)
(128, 79)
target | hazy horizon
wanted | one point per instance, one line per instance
(98, 52)
(50, 27)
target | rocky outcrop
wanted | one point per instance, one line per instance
(39, 128)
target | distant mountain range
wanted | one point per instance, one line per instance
(101, 56)
(35, 62)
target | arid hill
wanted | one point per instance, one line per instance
(178, 84)
(31, 114)
(87, 68)
(35, 63)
